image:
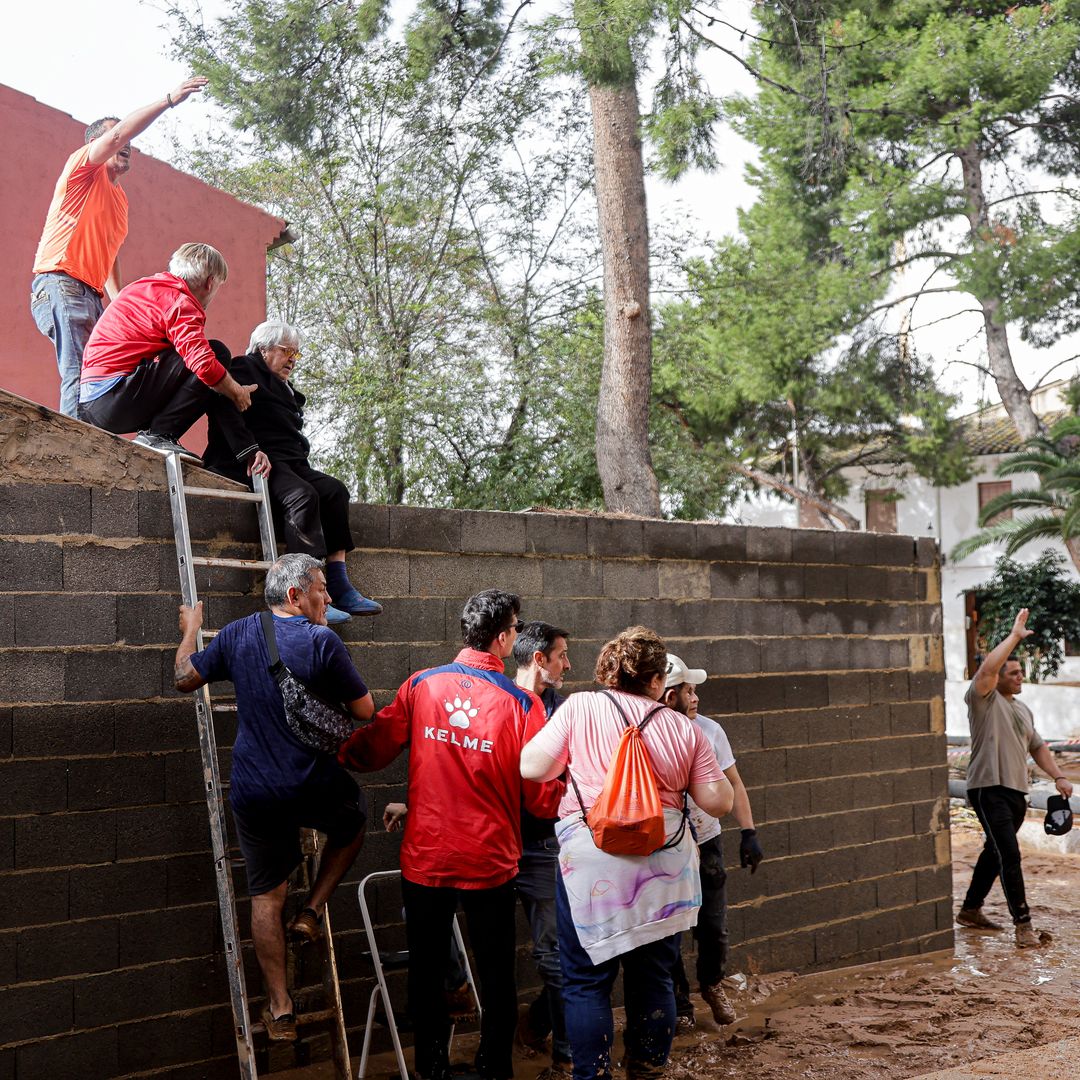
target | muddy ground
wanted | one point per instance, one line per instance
(898, 1019)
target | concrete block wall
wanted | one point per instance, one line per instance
(824, 653)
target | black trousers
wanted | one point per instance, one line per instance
(314, 509)
(710, 933)
(162, 395)
(1001, 812)
(490, 915)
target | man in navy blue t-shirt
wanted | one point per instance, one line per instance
(278, 784)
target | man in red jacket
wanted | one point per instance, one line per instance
(465, 725)
(148, 366)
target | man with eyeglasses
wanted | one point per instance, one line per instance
(76, 261)
(465, 725)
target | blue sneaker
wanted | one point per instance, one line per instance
(355, 603)
(333, 616)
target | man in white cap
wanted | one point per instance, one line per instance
(711, 930)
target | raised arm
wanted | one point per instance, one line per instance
(135, 123)
(987, 676)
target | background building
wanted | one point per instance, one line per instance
(166, 209)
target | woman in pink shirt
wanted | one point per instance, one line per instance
(624, 910)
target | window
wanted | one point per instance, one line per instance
(881, 510)
(991, 491)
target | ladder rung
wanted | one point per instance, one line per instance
(239, 564)
(224, 708)
(220, 493)
(319, 1016)
(210, 633)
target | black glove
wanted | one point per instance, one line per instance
(750, 853)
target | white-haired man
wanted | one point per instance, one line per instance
(148, 366)
(279, 784)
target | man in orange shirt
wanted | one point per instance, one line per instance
(86, 224)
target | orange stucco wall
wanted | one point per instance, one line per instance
(166, 208)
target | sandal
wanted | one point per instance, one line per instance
(279, 1028)
(306, 924)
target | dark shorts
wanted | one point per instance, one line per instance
(269, 833)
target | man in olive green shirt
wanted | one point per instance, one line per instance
(1002, 735)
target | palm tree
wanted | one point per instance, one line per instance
(1054, 458)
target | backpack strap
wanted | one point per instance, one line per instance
(618, 708)
(266, 617)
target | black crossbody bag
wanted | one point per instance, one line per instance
(317, 723)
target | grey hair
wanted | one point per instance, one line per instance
(99, 127)
(292, 571)
(197, 262)
(274, 332)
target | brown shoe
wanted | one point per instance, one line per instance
(306, 924)
(279, 1028)
(526, 1038)
(974, 918)
(1026, 938)
(459, 1002)
(557, 1070)
(722, 1010)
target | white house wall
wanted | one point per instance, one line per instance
(950, 515)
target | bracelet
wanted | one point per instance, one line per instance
(168, 98)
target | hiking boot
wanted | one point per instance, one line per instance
(722, 1010)
(684, 1024)
(974, 917)
(1026, 937)
(459, 1002)
(162, 444)
(279, 1028)
(306, 924)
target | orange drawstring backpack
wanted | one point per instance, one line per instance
(627, 817)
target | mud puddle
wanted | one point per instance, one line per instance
(897, 1019)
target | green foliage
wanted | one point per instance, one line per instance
(1054, 504)
(913, 87)
(442, 263)
(1053, 600)
(760, 351)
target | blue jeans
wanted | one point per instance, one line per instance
(65, 311)
(538, 871)
(650, 1001)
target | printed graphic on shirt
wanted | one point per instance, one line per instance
(461, 712)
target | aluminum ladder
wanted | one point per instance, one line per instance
(243, 1028)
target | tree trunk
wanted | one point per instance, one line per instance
(1015, 396)
(1072, 546)
(809, 498)
(622, 410)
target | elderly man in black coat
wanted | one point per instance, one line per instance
(312, 506)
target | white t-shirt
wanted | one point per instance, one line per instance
(705, 824)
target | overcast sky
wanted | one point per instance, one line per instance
(108, 58)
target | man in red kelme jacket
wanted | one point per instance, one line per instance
(465, 725)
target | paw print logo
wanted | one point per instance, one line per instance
(461, 712)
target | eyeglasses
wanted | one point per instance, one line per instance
(290, 353)
(517, 627)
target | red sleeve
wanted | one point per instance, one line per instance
(185, 327)
(541, 800)
(375, 745)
